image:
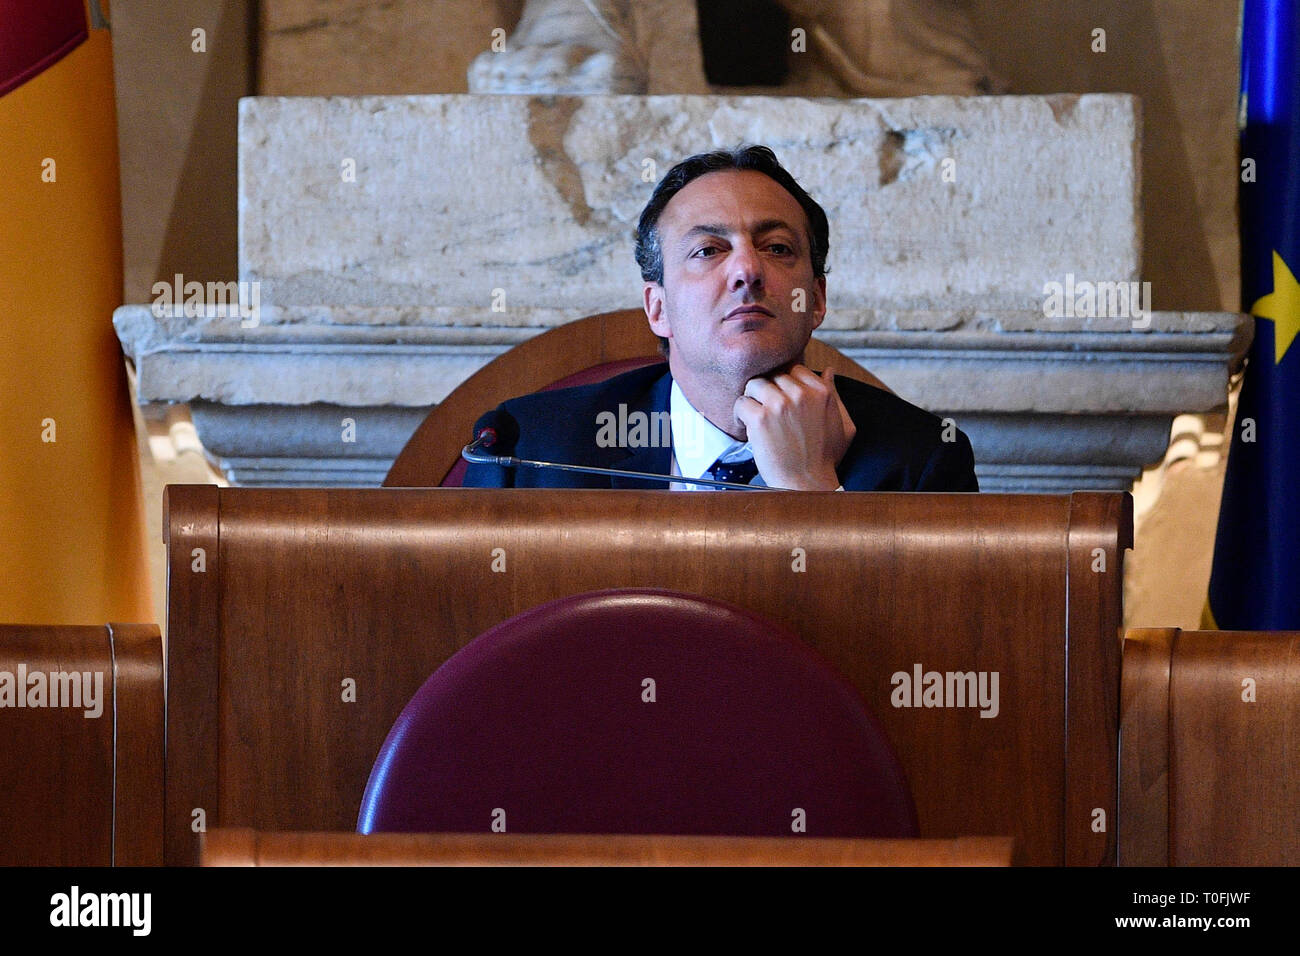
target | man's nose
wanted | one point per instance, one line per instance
(746, 268)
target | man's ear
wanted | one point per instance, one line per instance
(819, 301)
(652, 296)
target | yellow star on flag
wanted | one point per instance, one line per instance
(1281, 307)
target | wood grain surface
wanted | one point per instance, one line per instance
(243, 847)
(71, 783)
(1211, 742)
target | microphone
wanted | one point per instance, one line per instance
(498, 431)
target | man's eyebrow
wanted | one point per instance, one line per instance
(721, 230)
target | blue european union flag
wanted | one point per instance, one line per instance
(1255, 583)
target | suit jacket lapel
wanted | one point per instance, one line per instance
(657, 460)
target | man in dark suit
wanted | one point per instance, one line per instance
(732, 254)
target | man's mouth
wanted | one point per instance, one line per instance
(745, 311)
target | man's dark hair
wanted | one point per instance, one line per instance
(761, 159)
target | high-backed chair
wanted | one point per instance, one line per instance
(81, 760)
(577, 353)
(638, 711)
(1210, 748)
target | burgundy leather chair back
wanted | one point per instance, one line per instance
(638, 711)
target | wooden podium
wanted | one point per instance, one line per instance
(280, 600)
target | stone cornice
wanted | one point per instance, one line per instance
(302, 356)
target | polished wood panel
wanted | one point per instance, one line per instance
(1219, 716)
(1235, 765)
(139, 712)
(1095, 575)
(531, 366)
(193, 628)
(56, 765)
(1144, 747)
(78, 790)
(318, 586)
(243, 847)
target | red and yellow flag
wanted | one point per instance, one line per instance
(71, 530)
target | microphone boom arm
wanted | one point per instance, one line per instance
(473, 455)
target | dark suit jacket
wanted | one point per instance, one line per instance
(898, 447)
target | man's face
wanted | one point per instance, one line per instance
(738, 297)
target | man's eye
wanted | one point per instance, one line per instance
(703, 249)
(780, 248)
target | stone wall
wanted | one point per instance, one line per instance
(365, 47)
(177, 108)
(177, 93)
(943, 210)
(1180, 57)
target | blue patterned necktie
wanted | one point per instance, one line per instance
(738, 472)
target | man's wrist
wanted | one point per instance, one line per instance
(829, 482)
